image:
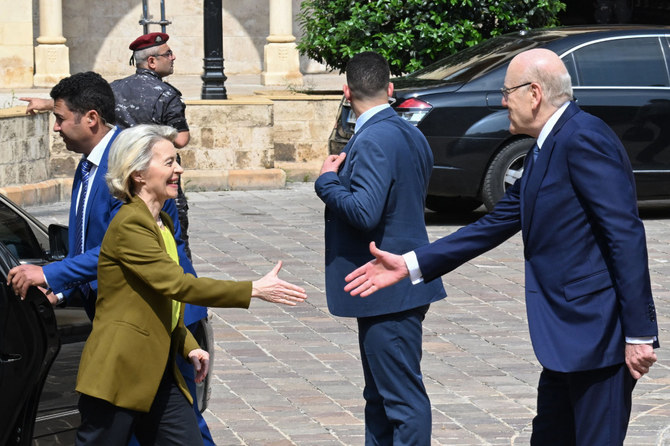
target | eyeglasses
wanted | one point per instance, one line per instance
(506, 91)
(167, 54)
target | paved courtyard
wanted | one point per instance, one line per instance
(291, 375)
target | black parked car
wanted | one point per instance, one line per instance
(619, 73)
(40, 346)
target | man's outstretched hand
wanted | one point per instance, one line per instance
(386, 269)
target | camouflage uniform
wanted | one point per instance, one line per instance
(144, 98)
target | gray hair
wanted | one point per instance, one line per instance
(142, 56)
(131, 152)
(556, 86)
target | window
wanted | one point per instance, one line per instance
(17, 236)
(634, 62)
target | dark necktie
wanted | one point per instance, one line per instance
(530, 162)
(79, 234)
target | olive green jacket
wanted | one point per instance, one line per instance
(131, 342)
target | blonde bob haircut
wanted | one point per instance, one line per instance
(131, 152)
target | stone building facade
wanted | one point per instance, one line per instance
(83, 35)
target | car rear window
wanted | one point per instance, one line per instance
(475, 61)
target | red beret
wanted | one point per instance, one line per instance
(148, 40)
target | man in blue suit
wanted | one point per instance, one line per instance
(590, 310)
(375, 191)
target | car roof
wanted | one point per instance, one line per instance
(457, 69)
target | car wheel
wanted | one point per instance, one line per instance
(205, 337)
(505, 169)
(454, 205)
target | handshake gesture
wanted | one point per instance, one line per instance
(386, 269)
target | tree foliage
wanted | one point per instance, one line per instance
(412, 33)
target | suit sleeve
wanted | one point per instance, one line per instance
(448, 253)
(136, 247)
(594, 160)
(83, 268)
(361, 204)
(190, 344)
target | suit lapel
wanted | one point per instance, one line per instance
(98, 183)
(531, 183)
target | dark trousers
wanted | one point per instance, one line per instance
(170, 421)
(397, 408)
(589, 408)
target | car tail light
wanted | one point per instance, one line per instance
(413, 110)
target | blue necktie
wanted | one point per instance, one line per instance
(79, 234)
(531, 161)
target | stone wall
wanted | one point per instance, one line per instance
(24, 143)
(248, 143)
(302, 125)
(25, 172)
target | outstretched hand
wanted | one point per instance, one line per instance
(272, 289)
(386, 269)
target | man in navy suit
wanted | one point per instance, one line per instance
(590, 310)
(375, 191)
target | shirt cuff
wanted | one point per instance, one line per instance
(634, 340)
(412, 264)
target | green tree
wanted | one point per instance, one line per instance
(412, 33)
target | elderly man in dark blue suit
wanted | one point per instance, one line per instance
(375, 191)
(588, 295)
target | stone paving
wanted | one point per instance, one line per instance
(291, 375)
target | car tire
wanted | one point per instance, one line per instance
(205, 338)
(453, 205)
(505, 169)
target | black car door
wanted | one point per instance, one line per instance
(29, 344)
(625, 82)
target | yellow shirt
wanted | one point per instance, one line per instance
(171, 247)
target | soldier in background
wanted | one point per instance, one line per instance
(144, 98)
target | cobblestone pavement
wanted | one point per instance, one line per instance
(291, 375)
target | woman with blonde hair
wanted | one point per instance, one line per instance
(128, 378)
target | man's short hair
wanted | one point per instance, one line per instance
(86, 91)
(368, 75)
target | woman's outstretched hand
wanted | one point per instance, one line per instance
(273, 289)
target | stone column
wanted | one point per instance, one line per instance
(52, 57)
(281, 60)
